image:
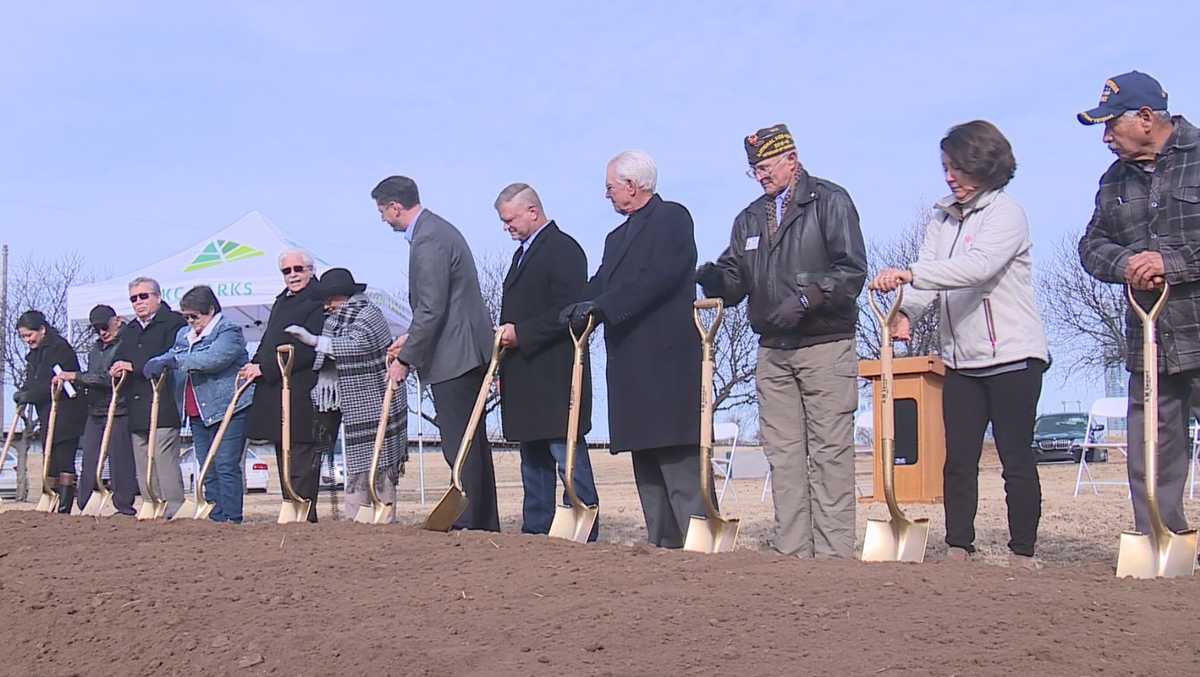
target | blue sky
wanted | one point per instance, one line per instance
(130, 130)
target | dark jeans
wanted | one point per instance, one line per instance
(1009, 402)
(454, 400)
(539, 459)
(225, 484)
(122, 471)
(306, 471)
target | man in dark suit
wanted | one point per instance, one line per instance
(643, 293)
(549, 271)
(449, 341)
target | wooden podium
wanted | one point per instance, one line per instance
(920, 437)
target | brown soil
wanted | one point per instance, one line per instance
(88, 596)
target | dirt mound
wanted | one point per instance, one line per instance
(87, 596)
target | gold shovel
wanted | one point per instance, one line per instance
(100, 503)
(153, 507)
(8, 440)
(1162, 552)
(49, 499)
(898, 539)
(574, 521)
(454, 502)
(379, 512)
(709, 533)
(200, 507)
(294, 508)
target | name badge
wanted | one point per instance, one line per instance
(751, 243)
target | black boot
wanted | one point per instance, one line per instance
(66, 493)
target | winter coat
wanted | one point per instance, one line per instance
(136, 345)
(97, 382)
(977, 266)
(645, 290)
(818, 244)
(535, 378)
(266, 413)
(212, 364)
(356, 338)
(39, 369)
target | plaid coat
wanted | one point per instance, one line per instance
(1158, 211)
(358, 341)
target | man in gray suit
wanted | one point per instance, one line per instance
(449, 341)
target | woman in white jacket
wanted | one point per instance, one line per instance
(975, 264)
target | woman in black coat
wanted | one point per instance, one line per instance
(48, 349)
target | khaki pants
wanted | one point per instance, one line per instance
(806, 403)
(168, 479)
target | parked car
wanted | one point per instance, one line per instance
(8, 475)
(334, 476)
(256, 469)
(1059, 438)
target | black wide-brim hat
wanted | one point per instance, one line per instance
(338, 282)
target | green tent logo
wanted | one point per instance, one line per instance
(221, 251)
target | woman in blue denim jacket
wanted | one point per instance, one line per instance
(206, 358)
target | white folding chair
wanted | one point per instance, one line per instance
(1195, 460)
(724, 432)
(741, 466)
(1108, 409)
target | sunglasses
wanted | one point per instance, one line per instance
(134, 298)
(293, 269)
(192, 317)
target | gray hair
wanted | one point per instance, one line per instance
(636, 166)
(139, 280)
(523, 191)
(1161, 114)
(297, 251)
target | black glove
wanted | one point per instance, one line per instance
(792, 310)
(577, 315)
(19, 397)
(711, 280)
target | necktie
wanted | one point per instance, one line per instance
(773, 215)
(517, 255)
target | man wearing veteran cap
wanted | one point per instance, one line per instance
(798, 254)
(1145, 229)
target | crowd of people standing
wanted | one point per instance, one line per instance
(796, 255)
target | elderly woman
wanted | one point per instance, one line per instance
(47, 350)
(975, 263)
(351, 370)
(206, 358)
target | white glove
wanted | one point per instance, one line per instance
(301, 334)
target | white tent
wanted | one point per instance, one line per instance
(238, 262)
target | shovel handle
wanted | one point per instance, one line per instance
(707, 337)
(380, 437)
(1150, 404)
(240, 385)
(581, 342)
(464, 447)
(708, 333)
(284, 355)
(12, 433)
(106, 437)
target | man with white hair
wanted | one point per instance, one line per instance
(298, 304)
(643, 294)
(1144, 231)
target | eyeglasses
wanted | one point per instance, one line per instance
(134, 298)
(763, 169)
(192, 317)
(288, 270)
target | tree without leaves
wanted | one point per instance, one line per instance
(899, 252)
(36, 283)
(1085, 318)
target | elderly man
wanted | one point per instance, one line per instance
(1144, 229)
(798, 253)
(549, 271)
(150, 334)
(643, 295)
(449, 341)
(298, 304)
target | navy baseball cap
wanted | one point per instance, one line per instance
(1126, 92)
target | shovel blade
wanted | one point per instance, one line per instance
(384, 513)
(711, 534)
(573, 523)
(99, 505)
(204, 510)
(889, 540)
(291, 512)
(447, 511)
(186, 511)
(151, 510)
(47, 503)
(1139, 558)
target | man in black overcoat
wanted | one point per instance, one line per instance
(297, 304)
(643, 294)
(549, 271)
